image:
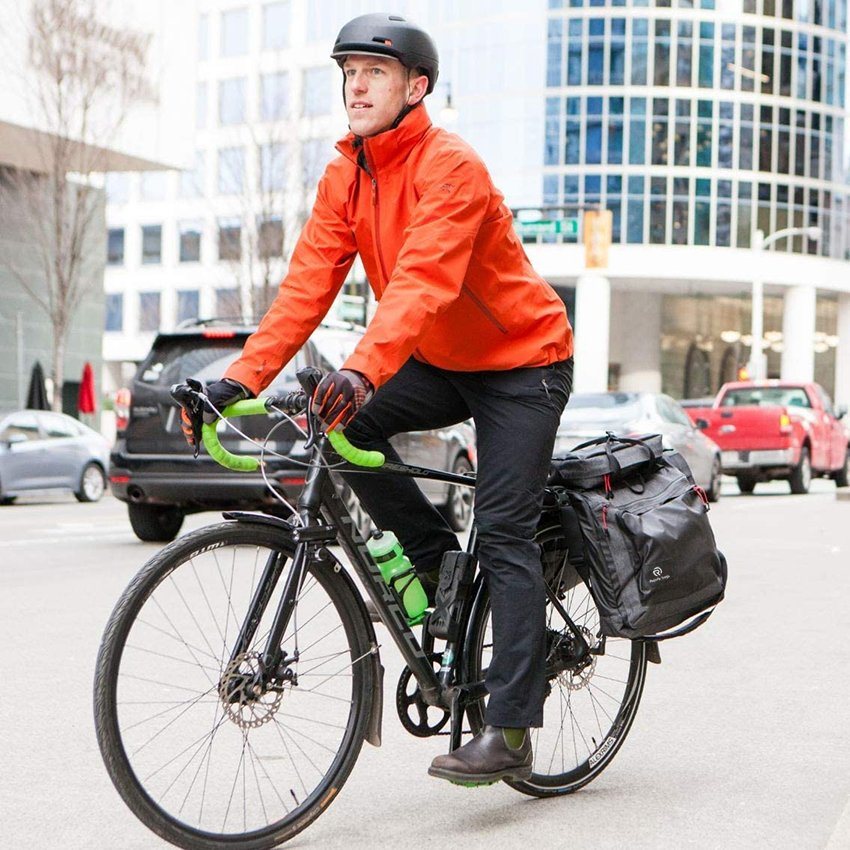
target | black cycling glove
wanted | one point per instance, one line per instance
(220, 394)
(339, 396)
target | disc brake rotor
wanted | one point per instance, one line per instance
(576, 678)
(246, 703)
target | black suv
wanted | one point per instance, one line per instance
(153, 470)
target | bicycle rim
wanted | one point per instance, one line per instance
(196, 765)
(587, 712)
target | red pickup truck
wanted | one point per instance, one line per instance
(777, 430)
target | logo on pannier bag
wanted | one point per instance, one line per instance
(658, 575)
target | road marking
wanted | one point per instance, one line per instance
(840, 838)
(74, 538)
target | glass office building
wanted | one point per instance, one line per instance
(696, 128)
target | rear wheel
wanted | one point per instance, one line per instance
(713, 491)
(842, 477)
(208, 750)
(801, 474)
(746, 484)
(591, 700)
(92, 484)
(155, 523)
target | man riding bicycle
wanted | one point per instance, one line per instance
(464, 328)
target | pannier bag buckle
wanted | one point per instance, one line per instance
(456, 572)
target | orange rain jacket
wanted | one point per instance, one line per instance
(454, 286)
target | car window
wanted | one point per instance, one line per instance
(57, 427)
(20, 424)
(203, 359)
(601, 408)
(672, 411)
(826, 401)
(786, 396)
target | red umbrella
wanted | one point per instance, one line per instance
(85, 399)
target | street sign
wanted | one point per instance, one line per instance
(565, 226)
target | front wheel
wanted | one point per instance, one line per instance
(801, 474)
(204, 747)
(591, 700)
(842, 477)
(92, 484)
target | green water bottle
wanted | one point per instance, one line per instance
(398, 573)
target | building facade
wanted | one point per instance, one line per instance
(696, 123)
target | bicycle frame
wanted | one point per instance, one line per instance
(319, 499)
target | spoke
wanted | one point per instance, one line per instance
(164, 684)
(258, 760)
(235, 781)
(179, 634)
(310, 720)
(195, 743)
(280, 729)
(167, 725)
(169, 657)
(175, 639)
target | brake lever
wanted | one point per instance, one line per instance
(191, 396)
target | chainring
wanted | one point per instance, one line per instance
(429, 719)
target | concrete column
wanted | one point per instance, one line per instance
(593, 317)
(842, 353)
(798, 330)
(636, 340)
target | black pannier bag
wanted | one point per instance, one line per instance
(649, 554)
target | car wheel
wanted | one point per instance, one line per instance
(92, 484)
(746, 485)
(155, 523)
(7, 500)
(458, 507)
(713, 491)
(843, 475)
(801, 474)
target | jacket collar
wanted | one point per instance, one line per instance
(391, 147)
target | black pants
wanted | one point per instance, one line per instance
(516, 415)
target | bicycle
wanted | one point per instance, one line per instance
(239, 673)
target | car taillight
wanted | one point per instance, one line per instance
(784, 423)
(218, 334)
(123, 398)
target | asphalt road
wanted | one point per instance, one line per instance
(741, 740)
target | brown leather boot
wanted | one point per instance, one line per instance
(486, 759)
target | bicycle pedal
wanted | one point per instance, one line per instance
(474, 784)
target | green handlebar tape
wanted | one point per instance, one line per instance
(359, 457)
(218, 453)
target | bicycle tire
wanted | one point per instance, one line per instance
(604, 743)
(205, 564)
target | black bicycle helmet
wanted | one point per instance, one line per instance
(389, 35)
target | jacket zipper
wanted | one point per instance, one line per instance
(376, 217)
(483, 308)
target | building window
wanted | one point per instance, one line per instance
(553, 130)
(572, 148)
(114, 311)
(315, 155)
(151, 244)
(725, 135)
(234, 32)
(231, 101)
(637, 131)
(682, 133)
(702, 213)
(617, 58)
(554, 43)
(593, 142)
(635, 210)
(684, 53)
(203, 37)
(681, 191)
(640, 51)
(723, 236)
(706, 55)
(275, 25)
(704, 117)
(574, 44)
(149, 311)
(658, 210)
(662, 53)
(190, 241)
(660, 109)
(227, 304)
(115, 246)
(274, 96)
(192, 183)
(231, 171)
(317, 91)
(745, 146)
(188, 304)
(596, 52)
(229, 239)
(201, 106)
(270, 237)
(272, 167)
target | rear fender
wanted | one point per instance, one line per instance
(373, 729)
